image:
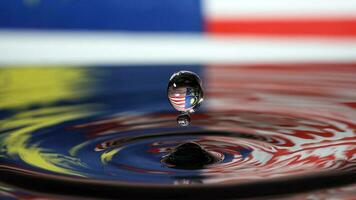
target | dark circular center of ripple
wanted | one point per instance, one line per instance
(189, 155)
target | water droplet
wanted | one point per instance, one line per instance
(183, 119)
(185, 94)
(190, 155)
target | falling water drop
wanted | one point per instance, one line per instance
(183, 119)
(185, 94)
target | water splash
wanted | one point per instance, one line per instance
(191, 155)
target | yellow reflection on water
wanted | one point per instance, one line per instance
(23, 87)
(107, 156)
(16, 142)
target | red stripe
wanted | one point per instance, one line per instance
(290, 27)
(179, 97)
(182, 101)
(178, 102)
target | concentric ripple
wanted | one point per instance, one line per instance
(264, 130)
(253, 146)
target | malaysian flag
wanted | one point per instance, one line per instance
(176, 32)
(182, 98)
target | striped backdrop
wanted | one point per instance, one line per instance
(78, 32)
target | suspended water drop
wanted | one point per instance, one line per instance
(183, 119)
(185, 94)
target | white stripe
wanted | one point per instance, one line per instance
(279, 8)
(81, 48)
(179, 106)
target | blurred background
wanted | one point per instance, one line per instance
(77, 32)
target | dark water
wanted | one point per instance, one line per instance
(284, 130)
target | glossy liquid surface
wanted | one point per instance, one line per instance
(108, 126)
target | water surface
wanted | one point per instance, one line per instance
(280, 129)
